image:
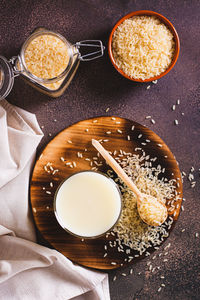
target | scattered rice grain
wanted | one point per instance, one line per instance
(176, 122)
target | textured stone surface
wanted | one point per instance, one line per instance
(97, 86)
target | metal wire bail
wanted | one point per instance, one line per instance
(13, 61)
(91, 55)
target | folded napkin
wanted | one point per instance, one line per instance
(27, 270)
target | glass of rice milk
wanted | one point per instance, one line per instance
(87, 204)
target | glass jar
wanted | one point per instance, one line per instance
(55, 86)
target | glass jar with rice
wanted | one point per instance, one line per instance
(47, 61)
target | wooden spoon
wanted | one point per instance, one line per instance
(151, 210)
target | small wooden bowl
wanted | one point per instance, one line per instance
(163, 20)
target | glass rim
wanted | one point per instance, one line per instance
(59, 219)
(32, 37)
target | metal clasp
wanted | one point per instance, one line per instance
(13, 61)
(91, 55)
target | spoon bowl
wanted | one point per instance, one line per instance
(152, 205)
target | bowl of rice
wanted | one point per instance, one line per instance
(143, 46)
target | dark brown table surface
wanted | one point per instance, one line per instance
(98, 86)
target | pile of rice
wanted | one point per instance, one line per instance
(143, 47)
(46, 57)
(130, 229)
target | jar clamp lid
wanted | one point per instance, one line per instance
(7, 74)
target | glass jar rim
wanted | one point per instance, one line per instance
(7, 77)
(22, 61)
(60, 221)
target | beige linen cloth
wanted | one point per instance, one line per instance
(27, 270)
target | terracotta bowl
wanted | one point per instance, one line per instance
(163, 20)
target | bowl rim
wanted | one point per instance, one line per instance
(162, 19)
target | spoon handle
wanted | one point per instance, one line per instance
(116, 167)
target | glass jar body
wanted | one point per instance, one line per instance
(55, 86)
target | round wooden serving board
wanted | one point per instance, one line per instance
(65, 146)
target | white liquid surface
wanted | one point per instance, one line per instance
(88, 204)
